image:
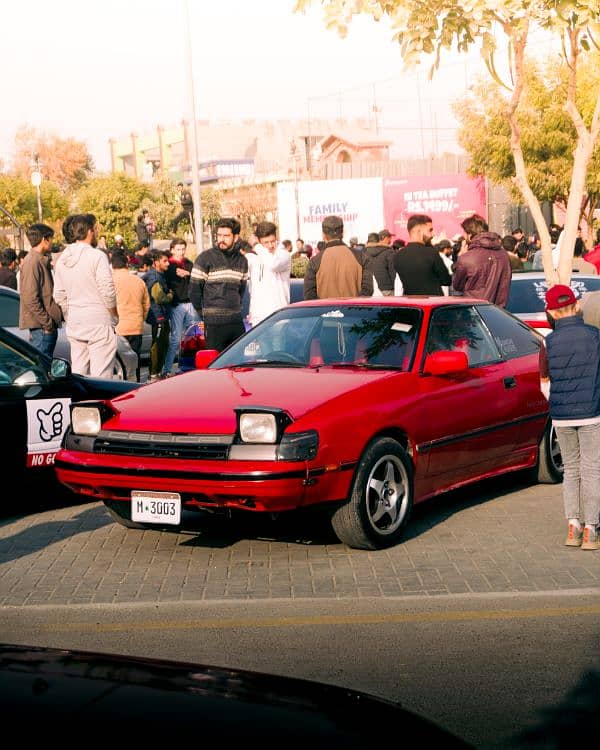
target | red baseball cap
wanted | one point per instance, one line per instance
(559, 296)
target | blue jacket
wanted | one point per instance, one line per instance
(574, 367)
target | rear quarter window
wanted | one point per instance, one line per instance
(513, 337)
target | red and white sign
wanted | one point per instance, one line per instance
(447, 199)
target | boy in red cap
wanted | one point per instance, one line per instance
(570, 379)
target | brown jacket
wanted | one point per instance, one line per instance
(38, 308)
(133, 302)
(338, 271)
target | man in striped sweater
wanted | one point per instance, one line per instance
(217, 284)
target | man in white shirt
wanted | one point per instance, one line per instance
(269, 271)
(85, 291)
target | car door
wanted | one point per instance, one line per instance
(469, 412)
(34, 409)
(519, 346)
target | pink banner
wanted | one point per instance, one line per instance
(447, 199)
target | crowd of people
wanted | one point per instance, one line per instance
(99, 293)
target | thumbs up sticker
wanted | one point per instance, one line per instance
(47, 421)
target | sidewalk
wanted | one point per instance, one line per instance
(498, 537)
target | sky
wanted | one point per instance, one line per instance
(99, 69)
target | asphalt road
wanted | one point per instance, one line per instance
(481, 620)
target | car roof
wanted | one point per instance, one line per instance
(9, 290)
(423, 301)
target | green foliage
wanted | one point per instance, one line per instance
(19, 197)
(548, 136)
(115, 200)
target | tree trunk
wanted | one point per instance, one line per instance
(586, 140)
(519, 41)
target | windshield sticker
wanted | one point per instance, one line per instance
(403, 327)
(333, 314)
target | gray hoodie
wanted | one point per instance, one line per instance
(84, 287)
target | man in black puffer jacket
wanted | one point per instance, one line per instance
(381, 263)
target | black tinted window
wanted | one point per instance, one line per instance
(9, 311)
(461, 329)
(513, 337)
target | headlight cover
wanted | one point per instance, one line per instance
(298, 446)
(258, 427)
(86, 420)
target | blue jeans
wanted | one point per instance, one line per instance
(580, 449)
(181, 316)
(45, 342)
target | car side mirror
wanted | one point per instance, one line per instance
(60, 368)
(204, 357)
(445, 363)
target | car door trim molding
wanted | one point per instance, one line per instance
(431, 444)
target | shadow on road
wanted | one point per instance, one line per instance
(311, 526)
(41, 535)
(573, 722)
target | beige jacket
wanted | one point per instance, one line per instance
(133, 302)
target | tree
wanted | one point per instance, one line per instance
(20, 199)
(114, 200)
(66, 162)
(429, 27)
(548, 134)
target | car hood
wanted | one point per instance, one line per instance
(204, 401)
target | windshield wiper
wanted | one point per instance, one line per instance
(269, 363)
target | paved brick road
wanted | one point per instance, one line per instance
(502, 537)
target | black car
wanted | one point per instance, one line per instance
(35, 393)
(59, 697)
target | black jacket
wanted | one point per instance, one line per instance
(421, 269)
(381, 261)
(217, 285)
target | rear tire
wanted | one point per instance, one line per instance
(550, 466)
(380, 502)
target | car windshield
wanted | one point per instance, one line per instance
(527, 295)
(329, 335)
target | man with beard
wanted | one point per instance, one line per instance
(484, 270)
(419, 265)
(217, 284)
(85, 291)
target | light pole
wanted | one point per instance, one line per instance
(198, 222)
(296, 158)
(36, 181)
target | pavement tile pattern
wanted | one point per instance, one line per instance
(503, 536)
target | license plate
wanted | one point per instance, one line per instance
(156, 507)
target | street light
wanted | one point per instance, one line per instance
(36, 181)
(296, 158)
(197, 216)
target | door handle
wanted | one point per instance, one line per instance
(510, 382)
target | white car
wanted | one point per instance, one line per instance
(10, 301)
(528, 294)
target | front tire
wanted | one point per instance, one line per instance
(550, 465)
(380, 502)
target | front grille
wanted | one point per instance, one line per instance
(164, 445)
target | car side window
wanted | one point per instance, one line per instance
(459, 328)
(14, 365)
(513, 337)
(9, 311)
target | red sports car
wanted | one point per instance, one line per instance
(365, 406)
